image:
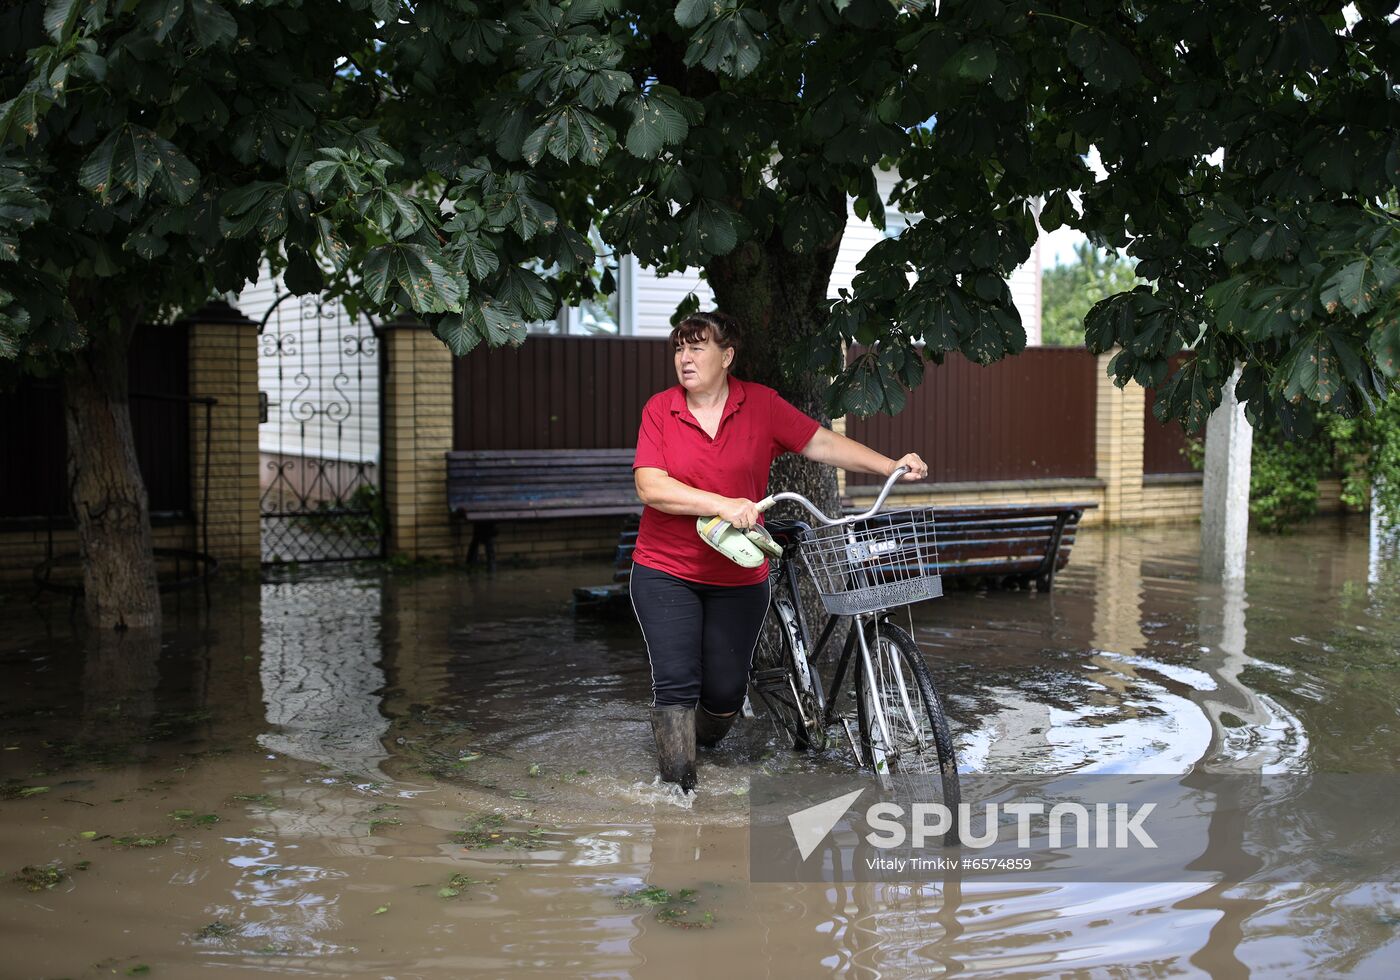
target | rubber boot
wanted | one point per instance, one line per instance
(710, 728)
(674, 728)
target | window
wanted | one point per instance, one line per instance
(602, 316)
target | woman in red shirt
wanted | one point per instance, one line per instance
(705, 447)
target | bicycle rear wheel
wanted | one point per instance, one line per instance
(783, 678)
(919, 739)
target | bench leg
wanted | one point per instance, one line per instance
(1045, 578)
(483, 534)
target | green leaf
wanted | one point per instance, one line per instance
(568, 133)
(19, 117)
(459, 333)
(176, 178)
(689, 13)
(332, 246)
(214, 26)
(1357, 286)
(708, 228)
(161, 17)
(376, 272)
(59, 18)
(642, 227)
(658, 121)
(807, 224)
(1311, 370)
(527, 292)
(1384, 343)
(430, 287)
(477, 258)
(976, 61)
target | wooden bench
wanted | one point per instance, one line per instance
(997, 545)
(486, 486)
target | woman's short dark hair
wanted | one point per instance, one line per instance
(722, 328)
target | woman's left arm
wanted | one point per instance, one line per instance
(830, 447)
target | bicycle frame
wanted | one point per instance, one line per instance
(788, 571)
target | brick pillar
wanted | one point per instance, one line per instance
(417, 436)
(224, 366)
(1118, 440)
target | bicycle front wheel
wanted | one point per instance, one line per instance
(785, 680)
(914, 737)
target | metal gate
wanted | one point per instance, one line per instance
(320, 377)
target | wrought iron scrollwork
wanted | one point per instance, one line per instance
(321, 498)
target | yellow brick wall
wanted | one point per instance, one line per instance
(417, 437)
(224, 366)
(1118, 439)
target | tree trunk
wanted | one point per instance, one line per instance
(110, 506)
(780, 300)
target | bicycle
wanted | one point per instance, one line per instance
(863, 566)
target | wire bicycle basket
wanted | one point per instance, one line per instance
(876, 563)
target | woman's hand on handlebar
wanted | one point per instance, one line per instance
(918, 469)
(740, 512)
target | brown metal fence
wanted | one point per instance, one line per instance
(558, 392)
(1164, 445)
(1030, 416)
(34, 443)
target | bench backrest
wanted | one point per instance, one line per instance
(971, 540)
(505, 484)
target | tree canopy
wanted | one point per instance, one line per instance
(450, 157)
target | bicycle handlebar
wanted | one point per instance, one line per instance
(797, 498)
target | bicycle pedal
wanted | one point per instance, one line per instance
(770, 679)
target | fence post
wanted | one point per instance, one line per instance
(1118, 442)
(417, 437)
(224, 366)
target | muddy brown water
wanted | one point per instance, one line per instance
(352, 773)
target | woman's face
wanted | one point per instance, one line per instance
(701, 364)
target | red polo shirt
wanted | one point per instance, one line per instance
(756, 428)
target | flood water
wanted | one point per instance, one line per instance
(355, 773)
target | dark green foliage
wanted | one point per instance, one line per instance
(438, 156)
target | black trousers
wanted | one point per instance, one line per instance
(700, 638)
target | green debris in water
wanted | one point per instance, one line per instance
(42, 877)
(193, 819)
(459, 883)
(378, 822)
(534, 769)
(13, 792)
(88, 835)
(260, 798)
(139, 970)
(143, 840)
(581, 772)
(382, 909)
(82, 865)
(672, 908)
(217, 929)
(488, 830)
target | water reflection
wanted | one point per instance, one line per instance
(321, 672)
(400, 712)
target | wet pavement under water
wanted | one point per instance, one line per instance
(352, 772)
